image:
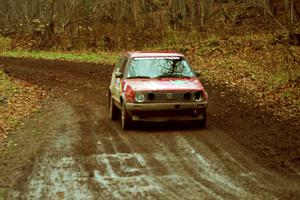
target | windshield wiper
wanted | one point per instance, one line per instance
(169, 75)
(138, 77)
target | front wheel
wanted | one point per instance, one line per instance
(203, 121)
(113, 110)
(126, 121)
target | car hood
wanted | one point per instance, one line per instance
(164, 84)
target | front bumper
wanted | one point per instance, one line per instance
(167, 111)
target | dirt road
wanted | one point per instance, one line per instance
(71, 150)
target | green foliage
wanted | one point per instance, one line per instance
(2, 194)
(207, 46)
(286, 94)
(173, 40)
(99, 57)
(212, 41)
(7, 87)
(277, 80)
(13, 121)
(4, 43)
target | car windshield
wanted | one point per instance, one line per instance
(159, 67)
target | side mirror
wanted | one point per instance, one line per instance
(118, 74)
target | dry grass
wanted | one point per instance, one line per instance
(5, 43)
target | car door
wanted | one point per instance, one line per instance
(116, 86)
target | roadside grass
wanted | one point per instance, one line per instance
(94, 57)
(4, 43)
(7, 87)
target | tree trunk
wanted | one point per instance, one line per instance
(289, 15)
(202, 12)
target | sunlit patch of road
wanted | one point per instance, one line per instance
(129, 177)
(132, 180)
(59, 179)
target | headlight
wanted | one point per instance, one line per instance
(199, 96)
(139, 97)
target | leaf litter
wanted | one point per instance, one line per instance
(18, 100)
(254, 65)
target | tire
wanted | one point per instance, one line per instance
(113, 110)
(126, 121)
(203, 122)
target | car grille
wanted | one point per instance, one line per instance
(166, 113)
(169, 96)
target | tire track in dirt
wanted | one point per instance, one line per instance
(213, 173)
(186, 169)
(131, 174)
(56, 174)
(241, 172)
(152, 175)
(110, 164)
(112, 148)
(182, 183)
(161, 172)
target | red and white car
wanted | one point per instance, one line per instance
(156, 86)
